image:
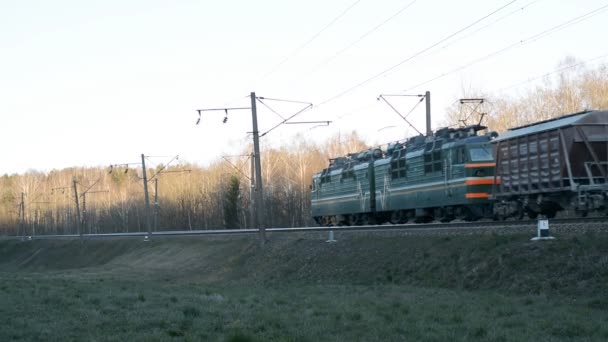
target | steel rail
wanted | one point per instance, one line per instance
(414, 227)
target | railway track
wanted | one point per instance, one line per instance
(478, 227)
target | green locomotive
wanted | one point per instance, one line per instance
(442, 176)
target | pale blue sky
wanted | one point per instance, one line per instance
(87, 83)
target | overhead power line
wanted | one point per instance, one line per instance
(555, 71)
(315, 36)
(527, 40)
(411, 57)
(517, 10)
(349, 113)
(363, 36)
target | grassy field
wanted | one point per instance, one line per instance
(363, 288)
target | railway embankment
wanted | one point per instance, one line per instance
(573, 265)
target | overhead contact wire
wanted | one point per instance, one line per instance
(520, 43)
(553, 72)
(415, 55)
(363, 36)
(301, 47)
(490, 24)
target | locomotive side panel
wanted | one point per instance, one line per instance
(341, 193)
(454, 181)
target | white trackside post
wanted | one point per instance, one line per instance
(543, 230)
(331, 237)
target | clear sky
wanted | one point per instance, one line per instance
(89, 83)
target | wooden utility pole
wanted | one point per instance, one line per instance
(78, 223)
(147, 198)
(259, 207)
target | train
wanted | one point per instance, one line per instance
(470, 173)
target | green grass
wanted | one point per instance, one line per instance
(85, 308)
(478, 288)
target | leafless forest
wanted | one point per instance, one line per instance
(186, 200)
(114, 201)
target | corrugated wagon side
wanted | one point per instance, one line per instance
(553, 165)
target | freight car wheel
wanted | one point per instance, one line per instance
(499, 217)
(520, 211)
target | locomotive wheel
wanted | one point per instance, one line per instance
(469, 216)
(398, 217)
(445, 214)
(347, 220)
(447, 219)
(395, 217)
(423, 219)
(364, 220)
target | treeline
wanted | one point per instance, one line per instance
(189, 196)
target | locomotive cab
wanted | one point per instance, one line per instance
(479, 172)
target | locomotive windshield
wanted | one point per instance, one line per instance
(481, 153)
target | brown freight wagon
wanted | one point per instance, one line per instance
(553, 165)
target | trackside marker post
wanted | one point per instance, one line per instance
(331, 237)
(543, 230)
